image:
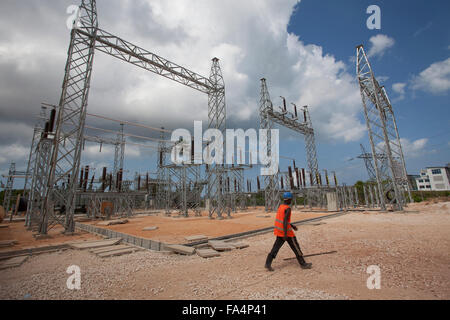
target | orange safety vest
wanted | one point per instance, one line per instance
(279, 228)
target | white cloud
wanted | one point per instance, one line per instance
(13, 152)
(435, 79)
(400, 89)
(380, 43)
(250, 38)
(413, 149)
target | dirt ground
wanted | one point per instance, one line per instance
(25, 240)
(412, 250)
(174, 229)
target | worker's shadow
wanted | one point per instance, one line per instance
(289, 261)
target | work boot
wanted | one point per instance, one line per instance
(303, 263)
(268, 265)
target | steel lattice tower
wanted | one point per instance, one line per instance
(217, 120)
(65, 160)
(383, 136)
(368, 161)
(67, 140)
(119, 155)
(310, 143)
(272, 200)
(32, 165)
(9, 187)
(268, 117)
(39, 183)
(162, 189)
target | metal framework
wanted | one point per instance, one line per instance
(162, 188)
(272, 200)
(383, 135)
(119, 155)
(268, 116)
(68, 136)
(217, 120)
(9, 187)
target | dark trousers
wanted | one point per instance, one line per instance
(293, 243)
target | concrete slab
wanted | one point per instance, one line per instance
(221, 245)
(95, 244)
(38, 236)
(180, 249)
(13, 262)
(7, 243)
(109, 248)
(239, 245)
(113, 222)
(150, 229)
(207, 253)
(196, 238)
(116, 253)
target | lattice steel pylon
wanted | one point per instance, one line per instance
(163, 187)
(368, 162)
(217, 120)
(310, 144)
(383, 135)
(119, 155)
(272, 200)
(268, 116)
(65, 160)
(9, 187)
(32, 165)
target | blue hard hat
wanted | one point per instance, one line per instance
(287, 195)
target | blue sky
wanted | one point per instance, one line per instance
(421, 30)
(305, 50)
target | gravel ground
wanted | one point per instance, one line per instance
(412, 250)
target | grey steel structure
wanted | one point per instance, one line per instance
(268, 117)
(119, 154)
(162, 188)
(32, 167)
(271, 196)
(368, 162)
(217, 173)
(67, 139)
(384, 137)
(9, 187)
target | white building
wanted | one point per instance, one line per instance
(434, 179)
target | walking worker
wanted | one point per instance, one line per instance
(284, 232)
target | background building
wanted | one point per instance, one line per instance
(434, 179)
